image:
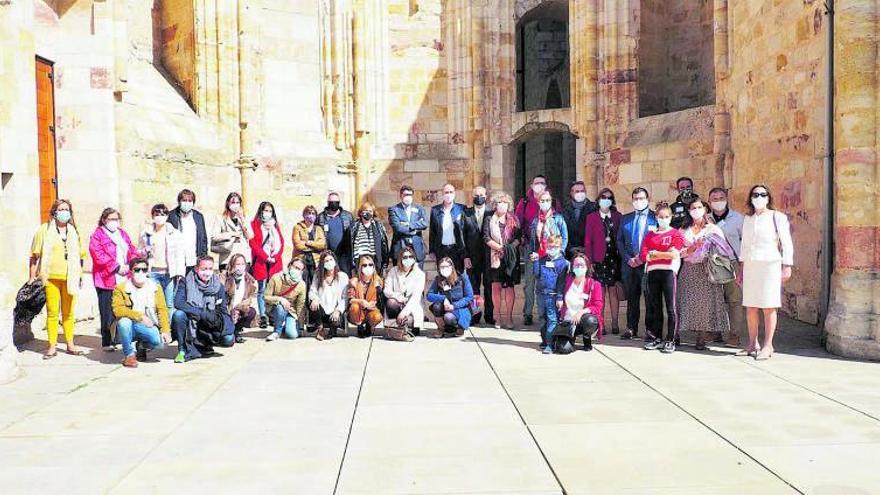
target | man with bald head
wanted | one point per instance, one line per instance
(446, 230)
(475, 251)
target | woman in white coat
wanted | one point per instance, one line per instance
(767, 257)
(404, 293)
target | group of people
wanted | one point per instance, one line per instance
(701, 261)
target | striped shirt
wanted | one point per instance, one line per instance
(364, 242)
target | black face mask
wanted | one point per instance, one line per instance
(367, 215)
(686, 193)
(479, 200)
(333, 205)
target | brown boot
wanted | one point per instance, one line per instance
(319, 333)
(732, 341)
(459, 332)
(701, 341)
(130, 361)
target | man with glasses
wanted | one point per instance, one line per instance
(408, 220)
(141, 315)
(475, 257)
(526, 211)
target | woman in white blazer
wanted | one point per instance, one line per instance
(767, 258)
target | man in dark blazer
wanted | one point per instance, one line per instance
(633, 229)
(475, 261)
(407, 220)
(447, 229)
(191, 224)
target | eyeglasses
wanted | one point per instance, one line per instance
(605, 197)
(367, 265)
(407, 195)
(760, 195)
(139, 270)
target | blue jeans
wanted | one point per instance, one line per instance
(551, 315)
(284, 323)
(261, 296)
(164, 281)
(128, 331)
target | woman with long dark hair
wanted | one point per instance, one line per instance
(231, 233)
(450, 297)
(267, 246)
(600, 245)
(327, 296)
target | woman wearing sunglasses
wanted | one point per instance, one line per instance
(767, 257)
(140, 315)
(365, 297)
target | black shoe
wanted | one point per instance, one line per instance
(476, 320)
(490, 321)
(649, 337)
(615, 331)
(264, 322)
(527, 320)
(627, 335)
(239, 339)
(141, 353)
(588, 344)
(416, 332)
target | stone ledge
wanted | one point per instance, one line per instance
(867, 349)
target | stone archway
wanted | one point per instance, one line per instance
(543, 148)
(542, 55)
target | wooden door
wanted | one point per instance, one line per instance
(46, 136)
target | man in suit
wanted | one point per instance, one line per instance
(191, 223)
(475, 251)
(447, 229)
(575, 214)
(408, 220)
(633, 229)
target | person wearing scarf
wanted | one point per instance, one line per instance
(546, 225)
(364, 296)
(202, 319)
(267, 246)
(502, 234)
(241, 291)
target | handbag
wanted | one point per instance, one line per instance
(476, 306)
(722, 270)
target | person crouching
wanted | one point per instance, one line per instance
(365, 297)
(201, 320)
(141, 315)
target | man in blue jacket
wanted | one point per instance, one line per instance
(447, 229)
(633, 229)
(408, 220)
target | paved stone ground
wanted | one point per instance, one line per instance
(485, 413)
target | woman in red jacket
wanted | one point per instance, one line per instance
(582, 304)
(600, 246)
(267, 246)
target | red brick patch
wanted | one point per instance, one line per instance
(99, 78)
(619, 156)
(857, 247)
(619, 76)
(791, 195)
(612, 174)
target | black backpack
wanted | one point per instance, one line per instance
(562, 338)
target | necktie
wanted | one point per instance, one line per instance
(637, 231)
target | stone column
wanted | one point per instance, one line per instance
(853, 321)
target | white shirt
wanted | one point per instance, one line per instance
(330, 297)
(762, 238)
(574, 299)
(188, 227)
(238, 297)
(448, 228)
(479, 212)
(143, 299)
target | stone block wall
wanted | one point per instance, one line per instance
(176, 28)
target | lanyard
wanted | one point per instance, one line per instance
(63, 239)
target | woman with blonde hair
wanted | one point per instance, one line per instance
(57, 257)
(502, 234)
(367, 235)
(231, 233)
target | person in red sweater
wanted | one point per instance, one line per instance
(661, 251)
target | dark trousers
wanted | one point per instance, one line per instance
(452, 252)
(477, 276)
(321, 318)
(632, 282)
(105, 312)
(194, 337)
(662, 288)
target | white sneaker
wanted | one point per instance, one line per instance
(272, 336)
(109, 348)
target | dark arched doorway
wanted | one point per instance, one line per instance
(550, 152)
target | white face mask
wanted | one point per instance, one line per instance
(295, 275)
(407, 200)
(664, 223)
(205, 275)
(538, 188)
(408, 263)
(235, 207)
(580, 197)
(445, 271)
(186, 206)
(546, 205)
(112, 225)
(502, 208)
(698, 213)
(448, 197)
(719, 205)
(267, 217)
(368, 271)
(605, 203)
(160, 220)
(640, 204)
(139, 278)
(760, 203)
(329, 265)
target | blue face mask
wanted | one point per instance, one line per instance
(604, 203)
(62, 216)
(186, 206)
(579, 271)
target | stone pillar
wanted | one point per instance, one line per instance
(853, 321)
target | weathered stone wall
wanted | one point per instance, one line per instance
(176, 25)
(545, 64)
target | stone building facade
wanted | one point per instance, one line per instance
(288, 99)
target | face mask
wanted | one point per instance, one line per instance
(719, 205)
(186, 206)
(698, 213)
(502, 208)
(368, 271)
(448, 197)
(579, 271)
(139, 278)
(407, 200)
(580, 197)
(367, 215)
(205, 275)
(664, 223)
(640, 204)
(295, 275)
(604, 203)
(329, 265)
(545, 206)
(446, 271)
(760, 203)
(686, 193)
(238, 272)
(553, 252)
(408, 263)
(112, 225)
(160, 220)
(62, 216)
(479, 200)
(538, 188)
(267, 217)
(235, 207)
(333, 205)
(310, 218)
